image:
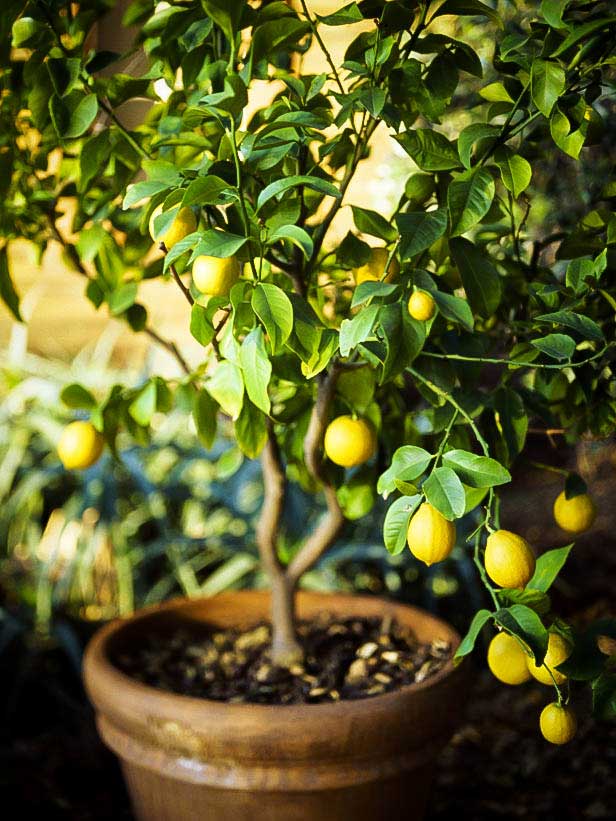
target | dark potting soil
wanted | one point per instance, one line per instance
(344, 659)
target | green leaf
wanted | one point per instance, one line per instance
(144, 406)
(397, 521)
(481, 133)
(444, 491)
(210, 190)
(431, 150)
(227, 387)
(7, 289)
(547, 83)
(122, 298)
(604, 696)
(215, 243)
(370, 222)
(251, 430)
(571, 142)
(294, 234)
(473, 496)
(552, 11)
(578, 271)
(535, 599)
(408, 463)
(226, 14)
(548, 567)
(467, 644)
(469, 8)
(469, 198)
(516, 172)
(76, 396)
(455, 309)
(200, 325)
(419, 230)
(204, 413)
(143, 190)
(274, 309)
(524, 623)
(368, 289)
(586, 327)
(479, 277)
(356, 330)
(73, 120)
(556, 346)
(280, 186)
(474, 470)
(257, 369)
(276, 35)
(495, 93)
(344, 16)
(580, 32)
(511, 420)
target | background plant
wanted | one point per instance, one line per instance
(515, 339)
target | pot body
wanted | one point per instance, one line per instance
(188, 759)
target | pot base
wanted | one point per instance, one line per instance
(189, 759)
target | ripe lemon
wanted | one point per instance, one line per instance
(430, 536)
(559, 649)
(509, 559)
(349, 442)
(421, 306)
(558, 723)
(507, 660)
(373, 270)
(575, 515)
(183, 224)
(80, 445)
(214, 276)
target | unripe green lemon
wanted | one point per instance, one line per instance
(507, 659)
(575, 515)
(558, 723)
(214, 276)
(509, 559)
(184, 223)
(430, 536)
(373, 270)
(80, 445)
(421, 306)
(349, 442)
(559, 650)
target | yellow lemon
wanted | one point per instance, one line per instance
(558, 723)
(559, 650)
(430, 536)
(509, 559)
(575, 515)
(183, 224)
(214, 276)
(349, 442)
(374, 269)
(421, 306)
(507, 659)
(80, 445)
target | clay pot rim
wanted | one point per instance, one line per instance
(96, 658)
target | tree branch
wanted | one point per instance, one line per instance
(274, 487)
(326, 532)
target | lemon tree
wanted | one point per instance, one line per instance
(407, 358)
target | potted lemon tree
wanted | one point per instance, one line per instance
(403, 355)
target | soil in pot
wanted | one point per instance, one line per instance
(344, 659)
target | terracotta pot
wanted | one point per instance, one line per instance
(186, 758)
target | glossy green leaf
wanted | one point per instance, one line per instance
(548, 567)
(524, 623)
(556, 346)
(516, 172)
(257, 369)
(227, 387)
(547, 83)
(444, 491)
(397, 521)
(474, 470)
(408, 463)
(419, 230)
(274, 309)
(466, 646)
(479, 277)
(469, 198)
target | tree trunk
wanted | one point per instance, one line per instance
(286, 650)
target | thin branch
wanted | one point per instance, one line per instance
(326, 532)
(177, 278)
(274, 487)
